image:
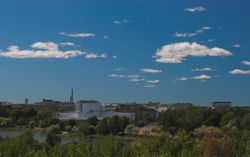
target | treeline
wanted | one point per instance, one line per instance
(192, 118)
(28, 117)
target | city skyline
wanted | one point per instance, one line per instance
(133, 51)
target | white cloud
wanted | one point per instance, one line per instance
(199, 77)
(147, 70)
(67, 44)
(184, 35)
(119, 69)
(202, 69)
(40, 50)
(202, 29)
(177, 52)
(236, 45)
(183, 78)
(124, 76)
(95, 55)
(118, 22)
(210, 40)
(239, 72)
(77, 35)
(136, 80)
(188, 35)
(149, 86)
(153, 81)
(195, 9)
(45, 46)
(246, 62)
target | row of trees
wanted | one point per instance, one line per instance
(28, 117)
(192, 118)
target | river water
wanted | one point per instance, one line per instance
(37, 136)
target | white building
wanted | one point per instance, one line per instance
(86, 109)
(88, 106)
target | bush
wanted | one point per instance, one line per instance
(54, 128)
(68, 128)
(92, 120)
(21, 121)
(52, 139)
(85, 129)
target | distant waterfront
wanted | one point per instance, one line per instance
(37, 136)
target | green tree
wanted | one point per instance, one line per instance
(245, 122)
(226, 118)
(85, 129)
(92, 120)
(52, 139)
(103, 127)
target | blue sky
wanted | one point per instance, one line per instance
(125, 51)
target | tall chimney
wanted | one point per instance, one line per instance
(72, 96)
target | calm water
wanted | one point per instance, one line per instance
(37, 136)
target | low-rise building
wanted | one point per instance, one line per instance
(162, 108)
(148, 129)
(51, 104)
(221, 104)
(178, 106)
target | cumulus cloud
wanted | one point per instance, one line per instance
(202, 69)
(77, 35)
(199, 77)
(236, 45)
(40, 50)
(177, 52)
(153, 81)
(45, 46)
(95, 55)
(195, 9)
(148, 70)
(239, 72)
(246, 62)
(46, 50)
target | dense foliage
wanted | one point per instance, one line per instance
(211, 143)
(192, 118)
(192, 132)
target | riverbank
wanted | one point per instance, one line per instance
(38, 134)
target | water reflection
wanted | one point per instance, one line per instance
(37, 136)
